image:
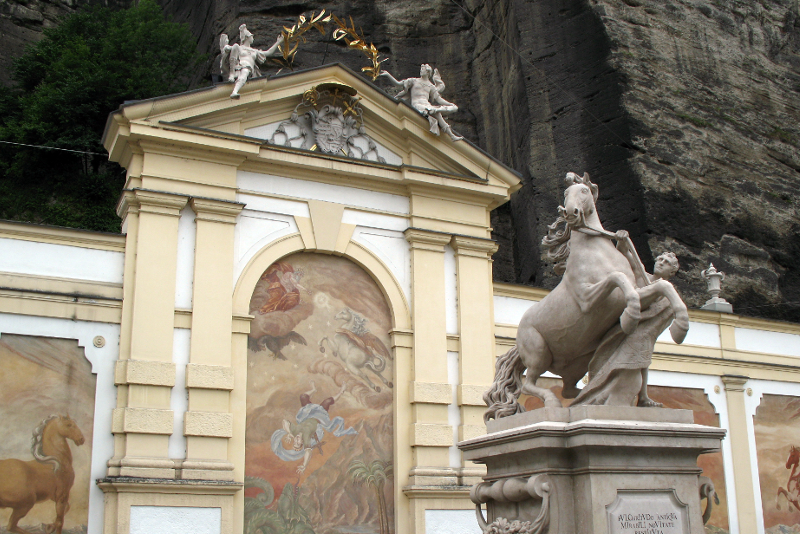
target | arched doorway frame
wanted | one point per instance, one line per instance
(401, 347)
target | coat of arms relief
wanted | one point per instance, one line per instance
(329, 120)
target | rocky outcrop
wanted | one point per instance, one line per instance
(684, 112)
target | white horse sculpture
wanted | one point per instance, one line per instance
(358, 348)
(598, 290)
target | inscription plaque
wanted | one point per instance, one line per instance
(647, 512)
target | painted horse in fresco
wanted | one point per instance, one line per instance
(792, 491)
(48, 477)
(602, 285)
(358, 348)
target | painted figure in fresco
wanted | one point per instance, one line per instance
(619, 351)
(240, 61)
(283, 288)
(48, 477)
(358, 348)
(298, 440)
(792, 491)
(425, 95)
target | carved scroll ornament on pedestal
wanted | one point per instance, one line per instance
(536, 488)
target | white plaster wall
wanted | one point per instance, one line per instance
(451, 522)
(767, 342)
(453, 412)
(392, 249)
(175, 520)
(256, 229)
(184, 276)
(103, 361)
(509, 310)
(266, 131)
(758, 388)
(450, 290)
(179, 396)
(290, 187)
(719, 401)
(60, 261)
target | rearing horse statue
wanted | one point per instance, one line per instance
(603, 286)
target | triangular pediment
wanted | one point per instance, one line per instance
(393, 133)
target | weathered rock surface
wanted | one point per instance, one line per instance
(684, 112)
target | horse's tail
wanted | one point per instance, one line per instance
(37, 446)
(502, 396)
(376, 368)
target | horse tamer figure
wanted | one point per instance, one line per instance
(602, 318)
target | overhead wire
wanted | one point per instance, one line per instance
(53, 148)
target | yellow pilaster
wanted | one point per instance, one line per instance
(208, 424)
(142, 421)
(476, 335)
(430, 433)
(740, 453)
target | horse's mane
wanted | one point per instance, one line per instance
(557, 241)
(37, 445)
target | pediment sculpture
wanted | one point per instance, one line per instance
(602, 318)
(241, 61)
(329, 120)
(425, 95)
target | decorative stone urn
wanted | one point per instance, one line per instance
(714, 279)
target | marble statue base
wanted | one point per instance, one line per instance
(718, 305)
(592, 470)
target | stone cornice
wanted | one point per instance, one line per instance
(214, 210)
(474, 246)
(62, 236)
(427, 239)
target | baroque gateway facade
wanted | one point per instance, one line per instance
(297, 326)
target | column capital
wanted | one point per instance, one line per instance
(479, 247)
(214, 210)
(427, 239)
(734, 382)
(145, 200)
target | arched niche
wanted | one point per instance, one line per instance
(320, 402)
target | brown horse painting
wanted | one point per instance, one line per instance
(48, 477)
(792, 491)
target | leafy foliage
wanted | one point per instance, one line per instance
(65, 87)
(288, 517)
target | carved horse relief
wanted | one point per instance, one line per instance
(602, 287)
(358, 348)
(48, 477)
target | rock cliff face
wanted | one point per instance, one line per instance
(684, 112)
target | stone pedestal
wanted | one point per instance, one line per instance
(593, 470)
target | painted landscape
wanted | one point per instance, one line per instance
(777, 431)
(47, 392)
(319, 440)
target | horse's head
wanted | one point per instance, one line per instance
(66, 427)
(794, 457)
(579, 199)
(344, 315)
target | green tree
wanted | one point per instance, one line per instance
(65, 87)
(374, 474)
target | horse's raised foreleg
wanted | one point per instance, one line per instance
(537, 358)
(590, 296)
(783, 492)
(662, 288)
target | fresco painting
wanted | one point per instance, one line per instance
(777, 432)
(704, 414)
(319, 438)
(47, 393)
